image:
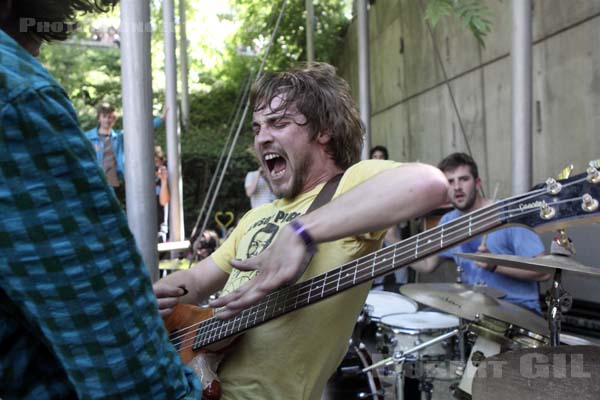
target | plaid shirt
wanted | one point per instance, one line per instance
(78, 318)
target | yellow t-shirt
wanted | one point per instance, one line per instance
(293, 356)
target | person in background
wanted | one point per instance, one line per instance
(379, 153)
(206, 244)
(110, 148)
(161, 186)
(78, 317)
(307, 131)
(521, 287)
(390, 282)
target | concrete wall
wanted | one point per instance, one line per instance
(412, 110)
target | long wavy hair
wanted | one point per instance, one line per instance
(324, 99)
(50, 20)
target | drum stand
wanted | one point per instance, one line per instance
(400, 357)
(558, 299)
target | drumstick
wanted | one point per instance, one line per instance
(493, 200)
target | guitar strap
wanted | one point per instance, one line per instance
(326, 193)
(322, 198)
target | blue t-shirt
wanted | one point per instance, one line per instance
(511, 241)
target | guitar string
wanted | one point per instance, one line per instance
(468, 219)
(429, 234)
(324, 278)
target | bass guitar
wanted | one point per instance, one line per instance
(198, 336)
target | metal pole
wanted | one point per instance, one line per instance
(310, 29)
(173, 162)
(521, 96)
(136, 78)
(183, 64)
(364, 87)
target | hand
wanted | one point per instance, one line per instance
(281, 263)
(488, 267)
(168, 296)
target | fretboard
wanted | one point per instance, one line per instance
(351, 274)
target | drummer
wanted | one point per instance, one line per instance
(521, 287)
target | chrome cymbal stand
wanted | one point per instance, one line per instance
(558, 299)
(400, 356)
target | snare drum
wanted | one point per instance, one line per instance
(380, 303)
(401, 332)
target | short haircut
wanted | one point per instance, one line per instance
(381, 149)
(456, 160)
(324, 99)
(104, 108)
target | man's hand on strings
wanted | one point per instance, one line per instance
(281, 263)
(167, 296)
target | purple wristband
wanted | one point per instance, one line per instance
(301, 231)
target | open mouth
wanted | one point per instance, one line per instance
(275, 164)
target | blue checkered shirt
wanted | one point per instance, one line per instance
(78, 318)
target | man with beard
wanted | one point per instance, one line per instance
(306, 131)
(78, 317)
(520, 286)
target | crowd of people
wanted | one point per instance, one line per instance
(79, 315)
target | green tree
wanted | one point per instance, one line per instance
(474, 15)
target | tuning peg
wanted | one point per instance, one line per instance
(588, 203)
(547, 212)
(593, 176)
(552, 186)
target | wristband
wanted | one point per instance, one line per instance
(303, 234)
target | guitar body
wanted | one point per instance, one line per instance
(204, 361)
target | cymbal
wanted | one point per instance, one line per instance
(544, 264)
(470, 305)
(463, 287)
(543, 373)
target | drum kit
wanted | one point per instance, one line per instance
(443, 349)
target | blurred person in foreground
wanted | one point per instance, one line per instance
(78, 316)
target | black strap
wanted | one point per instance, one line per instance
(322, 198)
(326, 193)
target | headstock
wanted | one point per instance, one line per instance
(557, 204)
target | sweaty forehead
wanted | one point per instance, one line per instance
(277, 109)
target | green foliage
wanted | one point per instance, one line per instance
(89, 75)
(290, 42)
(473, 15)
(211, 122)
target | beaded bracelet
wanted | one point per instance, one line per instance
(301, 231)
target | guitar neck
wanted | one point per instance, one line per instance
(352, 274)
